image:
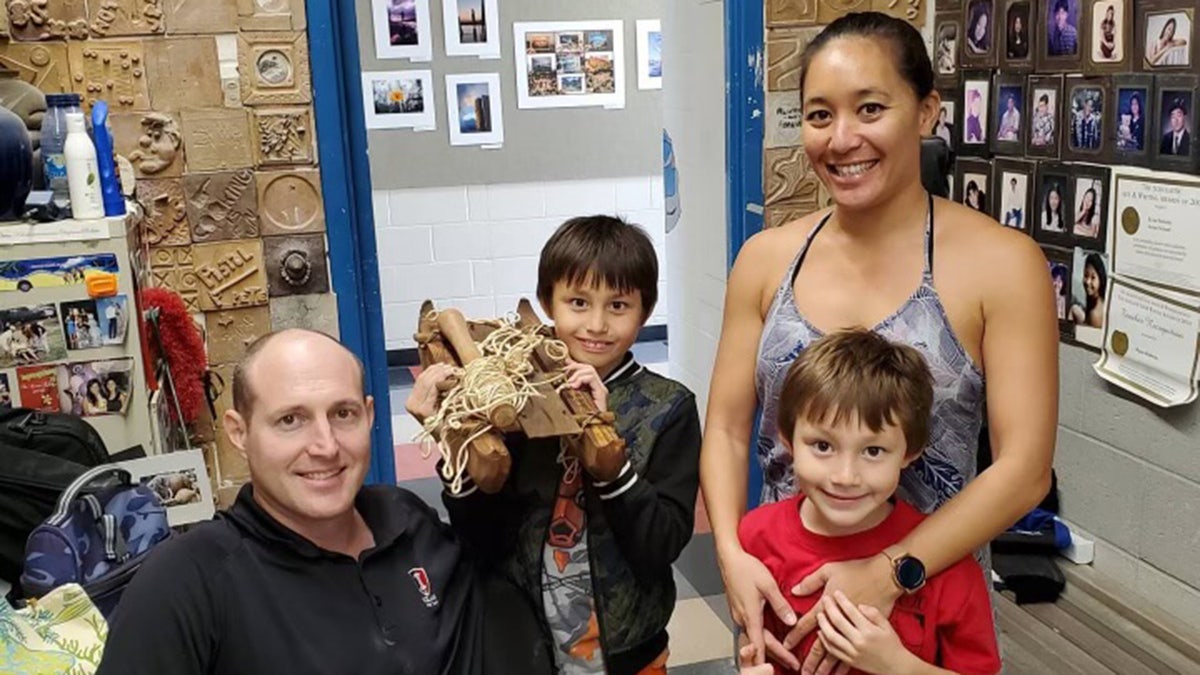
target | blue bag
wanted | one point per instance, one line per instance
(97, 537)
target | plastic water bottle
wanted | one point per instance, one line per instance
(54, 138)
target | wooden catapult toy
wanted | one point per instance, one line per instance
(508, 377)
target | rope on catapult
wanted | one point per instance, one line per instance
(502, 375)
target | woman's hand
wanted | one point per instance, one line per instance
(860, 636)
(423, 400)
(867, 581)
(748, 587)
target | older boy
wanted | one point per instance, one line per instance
(591, 540)
(854, 411)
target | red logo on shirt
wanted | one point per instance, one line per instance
(421, 578)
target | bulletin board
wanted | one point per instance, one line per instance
(539, 145)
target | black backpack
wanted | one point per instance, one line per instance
(41, 454)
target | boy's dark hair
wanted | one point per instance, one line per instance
(859, 373)
(905, 42)
(592, 249)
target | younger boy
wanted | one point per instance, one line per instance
(854, 410)
(591, 540)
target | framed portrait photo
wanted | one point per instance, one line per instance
(974, 178)
(1085, 135)
(1052, 206)
(1044, 116)
(1008, 111)
(947, 123)
(1173, 143)
(947, 27)
(1060, 262)
(1166, 36)
(976, 103)
(1131, 120)
(1012, 192)
(1090, 192)
(978, 47)
(1109, 45)
(1059, 37)
(1018, 35)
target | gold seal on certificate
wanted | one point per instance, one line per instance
(1130, 220)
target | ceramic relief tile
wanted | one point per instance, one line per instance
(785, 212)
(231, 331)
(912, 11)
(829, 11)
(113, 18)
(183, 73)
(784, 46)
(296, 264)
(44, 65)
(47, 19)
(289, 202)
(231, 274)
(4, 32)
(232, 469)
(152, 142)
(314, 312)
(283, 136)
(788, 176)
(274, 68)
(255, 15)
(217, 139)
(201, 17)
(111, 70)
(222, 205)
(171, 267)
(791, 12)
(165, 221)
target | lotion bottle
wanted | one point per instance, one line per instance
(83, 173)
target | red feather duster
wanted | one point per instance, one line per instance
(182, 345)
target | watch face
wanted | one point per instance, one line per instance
(910, 572)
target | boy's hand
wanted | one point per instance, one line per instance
(580, 376)
(860, 635)
(423, 401)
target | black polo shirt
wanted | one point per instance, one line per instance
(242, 594)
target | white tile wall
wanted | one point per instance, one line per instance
(476, 247)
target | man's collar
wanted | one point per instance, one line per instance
(373, 503)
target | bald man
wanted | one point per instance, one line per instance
(309, 571)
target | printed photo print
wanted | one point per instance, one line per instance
(1016, 45)
(1087, 118)
(945, 61)
(1062, 28)
(1131, 118)
(1108, 25)
(174, 488)
(1052, 206)
(975, 122)
(574, 62)
(5, 393)
(1089, 200)
(30, 335)
(94, 388)
(1175, 122)
(88, 324)
(1014, 193)
(1167, 39)
(975, 186)
(1009, 103)
(1060, 277)
(943, 126)
(1043, 126)
(980, 27)
(1088, 288)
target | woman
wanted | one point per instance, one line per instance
(974, 126)
(973, 197)
(867, 93)
(978, 40)
(1131, 134)
(1052, 215)
(943, 128)
(115, 399)
(1095, 285)
(1108, 35)
(1018, 41)
(947, 49)
(1156, 52)
(1059, 274)
(94, 402)
(1088, 222)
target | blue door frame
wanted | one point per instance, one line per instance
(744, 108)
(350, 227)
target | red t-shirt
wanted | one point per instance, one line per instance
(947, 623)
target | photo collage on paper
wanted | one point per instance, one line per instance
(557, 65)
(44, 347)
(1041, 98)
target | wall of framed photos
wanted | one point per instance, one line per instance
(1045, 102)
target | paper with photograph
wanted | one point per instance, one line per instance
(6, 402)
(649, 50)
(92, 388)
(38, 386)
(400, 99)
(30, 335)
(474, 109)
(181, 482)
(569, 64)
(402, 29)
(1089, 296)
(1151, 344)
(89, 323)
(26, 275)
(472, 28)
(1156, 238)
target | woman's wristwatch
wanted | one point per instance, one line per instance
(907, 571)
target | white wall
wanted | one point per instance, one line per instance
(476, 247)
(694, 113)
